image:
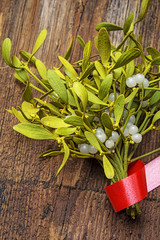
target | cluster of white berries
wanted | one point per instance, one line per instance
(87, 148)
(102, 137)
(132, 130)
(137, 79)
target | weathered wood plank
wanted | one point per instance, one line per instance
(33, 204)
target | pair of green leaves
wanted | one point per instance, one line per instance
(6, 49)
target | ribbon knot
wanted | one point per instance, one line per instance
(141, 179)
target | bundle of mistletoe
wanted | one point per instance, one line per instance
(93, 108)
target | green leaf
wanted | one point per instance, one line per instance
(156, 117)
(50, 153)
(68, 53)
(16, 62)
(59, 73)
(105, 86)
(130, 69)
(33, 131)
(148, 94)
(29, 109)
(39, 41)
(106, 121)
(78, 140)
(19, 115)
(119, 107)
(122, 84)
(6, 48)
(117, 73)
(128, 23)
(68, 66)
(27, 95)
(92, 139)
(97, 78)
(94, 99)
(81, 92)
(153, 52)
(65, 131)
(108, 26)
(71, 100)
(127, 57)
(58, 85)
(86, 55)
(88, 71)
(21, 75)
(26, 56)
(41, 69)
(81, 41)
(131, 96)
(54, 122)
(155, 98)
(50, 106)
(74, 120)
(156, 61)
(108, 168)
(104, 46)
(143, 11)
(99, 67)
(65, 158)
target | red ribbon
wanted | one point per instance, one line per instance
(129, 190)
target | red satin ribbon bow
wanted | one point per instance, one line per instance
(132, 189)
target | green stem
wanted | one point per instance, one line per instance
(145, 155)
(126, 147)
(90, 87)
(149, 88)
(153, 81)
(37, 79)
(36, 88)
(46, 94)
(147, 130)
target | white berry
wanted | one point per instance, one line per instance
(96, 119)
(99, 130)
(137, 138)
(111, 97)
(144, 103)
(139, 78)
(84, 148)
(126, 132)
(92, 149)
(107, 111)
(130, 82)
(132, 119)
(109, 143)
(129, 124)
(133, 129)
(101, 136)
(114, 136)
(145, 82)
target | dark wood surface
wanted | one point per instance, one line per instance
(33, 203)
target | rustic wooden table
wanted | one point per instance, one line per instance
(33, 203)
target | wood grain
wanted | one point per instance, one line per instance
(33, 203)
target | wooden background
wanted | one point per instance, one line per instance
(33, 203)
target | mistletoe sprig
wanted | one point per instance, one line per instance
(93, 108)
